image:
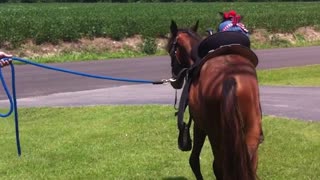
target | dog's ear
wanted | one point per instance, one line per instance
(194, 28)
(173, 28)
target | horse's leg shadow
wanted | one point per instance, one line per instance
(175, 178)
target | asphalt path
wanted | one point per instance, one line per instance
(42, 87)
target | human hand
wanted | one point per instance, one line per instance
(4, 55)
(4, 62)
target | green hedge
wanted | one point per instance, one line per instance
(70, 21)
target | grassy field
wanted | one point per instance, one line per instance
(53, 22)
(293, 76)
(90, 56)
(36, 30)
(137, 142)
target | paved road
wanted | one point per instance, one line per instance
(41, 87)
(289, 102)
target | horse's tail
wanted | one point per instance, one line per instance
(236, 160)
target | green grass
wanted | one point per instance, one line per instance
(51, 22)
(291, 150)
(88, 56)
(137, 142)
(293, 76)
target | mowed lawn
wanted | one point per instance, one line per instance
(292, 76)
(137, 142)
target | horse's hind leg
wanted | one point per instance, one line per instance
(254, 137)
(198, 140)
(217, 162)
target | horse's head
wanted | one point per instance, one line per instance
(179, 48)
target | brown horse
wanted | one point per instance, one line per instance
(224, 103)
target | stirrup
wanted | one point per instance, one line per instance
(184, 140)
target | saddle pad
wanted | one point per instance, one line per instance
(216, 40)
(233, 49)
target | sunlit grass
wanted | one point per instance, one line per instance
(87, 56)
(137, 142)
(293, 76)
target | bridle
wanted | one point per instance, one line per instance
(184, 140)
(175, 61)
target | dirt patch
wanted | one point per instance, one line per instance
(309, 33)
(30, 49)
(302, 34)
(260, 35)
(280, 36)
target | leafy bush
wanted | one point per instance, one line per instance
(149, 45)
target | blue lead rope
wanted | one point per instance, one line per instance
(13, 99)
(13, 104)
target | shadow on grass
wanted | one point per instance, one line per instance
(175, 178)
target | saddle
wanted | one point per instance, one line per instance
(219, 39)
(233, 49)
(223, 43)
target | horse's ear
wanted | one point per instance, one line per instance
(221, 14)
(195, 27)
(173, 28)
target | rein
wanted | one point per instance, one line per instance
(13, 100)
(184, 141)
(185, 72)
